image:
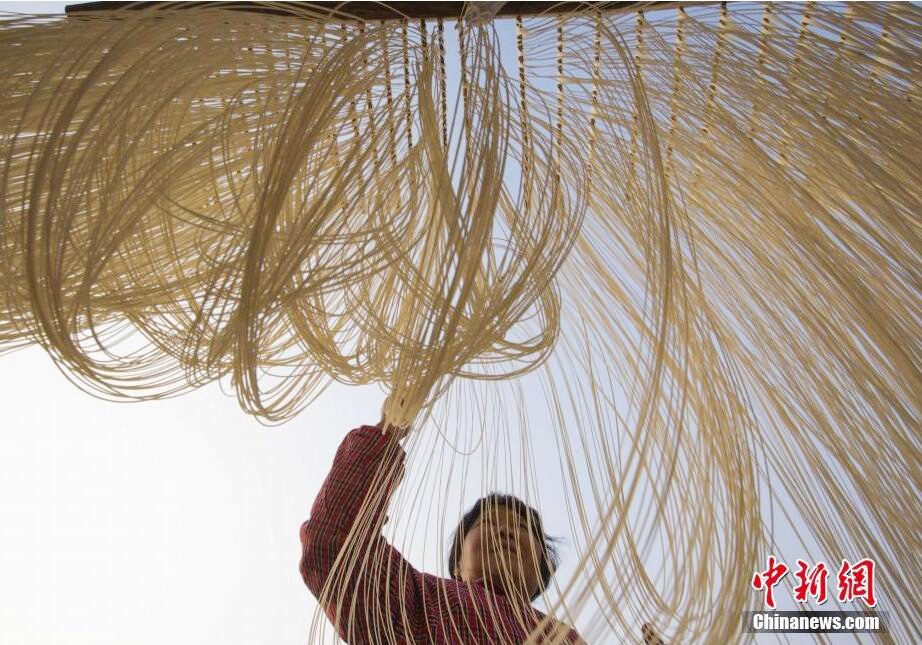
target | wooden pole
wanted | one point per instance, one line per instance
(371, 10)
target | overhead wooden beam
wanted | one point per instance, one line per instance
(371, 10)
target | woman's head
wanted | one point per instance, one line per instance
(501, 540)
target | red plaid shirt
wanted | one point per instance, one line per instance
(386, 600)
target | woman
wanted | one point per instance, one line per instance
(500, 560)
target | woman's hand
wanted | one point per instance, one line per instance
(390, 429)
(399, 433)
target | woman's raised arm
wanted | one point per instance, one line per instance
(367, 589)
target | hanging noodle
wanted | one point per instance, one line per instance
(693, 232)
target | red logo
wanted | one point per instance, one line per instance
(857, 581)
(854, 581)
(812, 582)
(766, 580)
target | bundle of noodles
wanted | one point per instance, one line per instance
(694, 232)
(246, 193)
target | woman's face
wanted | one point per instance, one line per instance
(501, 548)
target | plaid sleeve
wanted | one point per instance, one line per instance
(365, 457)
(345, 561)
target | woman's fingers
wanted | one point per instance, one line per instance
(390, 429)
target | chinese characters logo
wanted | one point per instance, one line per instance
(853, 582)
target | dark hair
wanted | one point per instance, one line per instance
(549, 556)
